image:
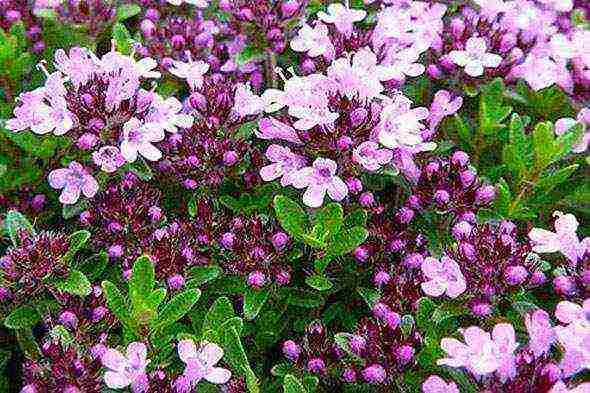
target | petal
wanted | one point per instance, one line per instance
(491, 60)
(150, 152)
(271, 172)
(504, 336)
(459, 57)
(69, 195)
(114, 360)
(474, 68)
(186, 350)
(129, 151)
(476, 338)
(434, 288)
(456, 288)
(57, 178)
(545, 241)
(183, 121)
(218, 375)
(337, 189)
(137, 354)
(211, 354)
(314, 195)
(90, 186)
(566, 223)
(567, 312)
(476, 45)
(116, 380)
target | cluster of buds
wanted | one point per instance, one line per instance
(15, 11)
(92, 15)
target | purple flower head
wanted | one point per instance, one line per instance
(200, 362)
(176, 282)
(74, 180)
(316, 366)
(109, 158)
(444, 277)
(256, 279)
(374, 374)
(405, 354)
(69, 319)
(370, 157)
(191, 71)
(515, 274)
(285, 165)
(127, 370)
(435, 384)
(320, 179)
(291, 350)
(280, 240)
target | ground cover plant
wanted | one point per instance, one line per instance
(296, 196)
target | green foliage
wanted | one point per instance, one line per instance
(76, 284)
(22, 318)
(292, 385)
(14, 222)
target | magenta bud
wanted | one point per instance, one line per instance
(481, 309)
(291, 350)
(468, 251)
(538, 278)
(246, 14)
(190, 184)
(115, 251)
(85, 218)
(516, 274)
(442, 197)
(227, 240)
(434, 72)
(155, 213)
(381, 278)
(374, 374)
(344, 142)
(152, 14)
(283, 278)
(405, 354)
(361, 254)
(358, 117)
(432, 168)
(308, 66)
(87, 141)
(176, 282)
(460, 158)
(148, 28)
(552, 372)
(485, 195)
(68, 319)
(188, 253)
(357, 344)
(457, 28)
(414, 202)
(349, 375)
(98, 313)
(366, 199)
(230, 158)
(564, 285)
(256, 279)
(316, 366)
(462, 230)
(354, 185)
(392, 319)
(177, 41)
(380, 310)
(38, 47)
(467, 177)
(279, 240)
(38, 202)
(12, 16)
(404, 215)
(289, 7)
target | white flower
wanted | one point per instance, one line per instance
(474, 58)
(138, 138)
(191, 71)
(315, 41)
(342, 17)
(166, 115)
(401, 126)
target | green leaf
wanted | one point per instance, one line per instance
(543, 144)
(23, 317)
(549, 182)
(516, 154)
(356, 218)
(249, 53)
(126, 11)
(76, 242)
(156, 298)
(177, 308)
(426, 308)
(202, 274)
(236, 356)
(319, 282)
(292, 385)
(14, 223)
(141, 283)
(253, 302)
(38, 146)
(369, 295)
(123, 41)
(347, 240)
(303, 298)
(117, 304)
(76, 283)
(329, 220)
(219, 312)
(291, 216)
(492, 111)
(95, 265)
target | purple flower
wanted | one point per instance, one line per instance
(564, 239)
(444, 277)
(474, 58)
(74, 180)
(560, 387)
(138, 138)
(435, 384)
(165, 114)
(285, 165)
(127, 370)
(442, 106)
(374, 374)
(291, 350)
(575, 340)
(568, 312)
(273, 129)
(319, 179)
(541, 336)
(315, 41)
(370, 156)
(109, 158)
(200, 363)
(191, 71)
(342, 17)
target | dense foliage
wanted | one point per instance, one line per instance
(294, 196)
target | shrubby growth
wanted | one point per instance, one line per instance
(294, 196)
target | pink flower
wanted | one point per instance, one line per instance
(399, 125)
(560, 387)
(166, 114)
(315, 41)
(541, 336)
(247, 103)
(270, 128)
(482, 355)
(474, 58)
(138, 138)
(200, 363)
(442, 106)
(342, 17)
(109, 158)
(74, 180)
(285, 164)
(370, 156)
(541, 71)
(435, 384)
(127, 370)
(564, 239)
(444, 277)
(319, 179)
(79, 67)
(568, 312)
(311, 116)
(191, 71)
(363, 77)
(575, 340)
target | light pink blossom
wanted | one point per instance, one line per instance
(319, 179)
(564, 239)
(270, 128)
(370, 156)
(166, 114)
(474, 58)
(315, 41)
(399, 125)
(200, 362)
(567, 312)
(342, 17)
(444, 277)
(435, 384)
(285, 165)
(560, 387)
(127, 370)
(108, 158)
(192, 71)
(74, 180)
(138, 138)
(541, 336)
(442, 106)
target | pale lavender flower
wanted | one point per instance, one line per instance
(564, 239)
(370, 156)
(315, 41)
(435, 384)
(541, 71)
(127, 370)
(200, 362)
(342, 17)
(247, 103)
(74, 180)
(560, 387)
(444, 277)
(474, 58)
(79, 66)
(400, 125)
(575, 341)
(108, 158)
(442, 106)
(191, 71)
(285, 165)
(541, 335)
(138, 138)
(319, 179)
(270, 128)
(166, 114)
(568, 312)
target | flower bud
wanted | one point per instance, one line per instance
(485, 195)
(279, 240)
(564, 285)
(227, 240)
(357, 344)
(343, 143)
(462, 230)
(538, 278)
(256, 279)
(289, 8)
(516, 274)
(392, 319)
(155, 213)
(481, 309)
(349, 375)
(38, 202)
(441, 197)
(460, 158)
(230, 158)
(316, 366)
(374, 374)
(380, 310)
(176, 282)
(115, 251)
(381, 278)
(68, 319)
(148, 28)
(413, 260)
(366, 199)
(354, 185)
(291, 350)
(283, 278)
(467, 177)
(404, 215)
(405, 354)
(361, 254)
